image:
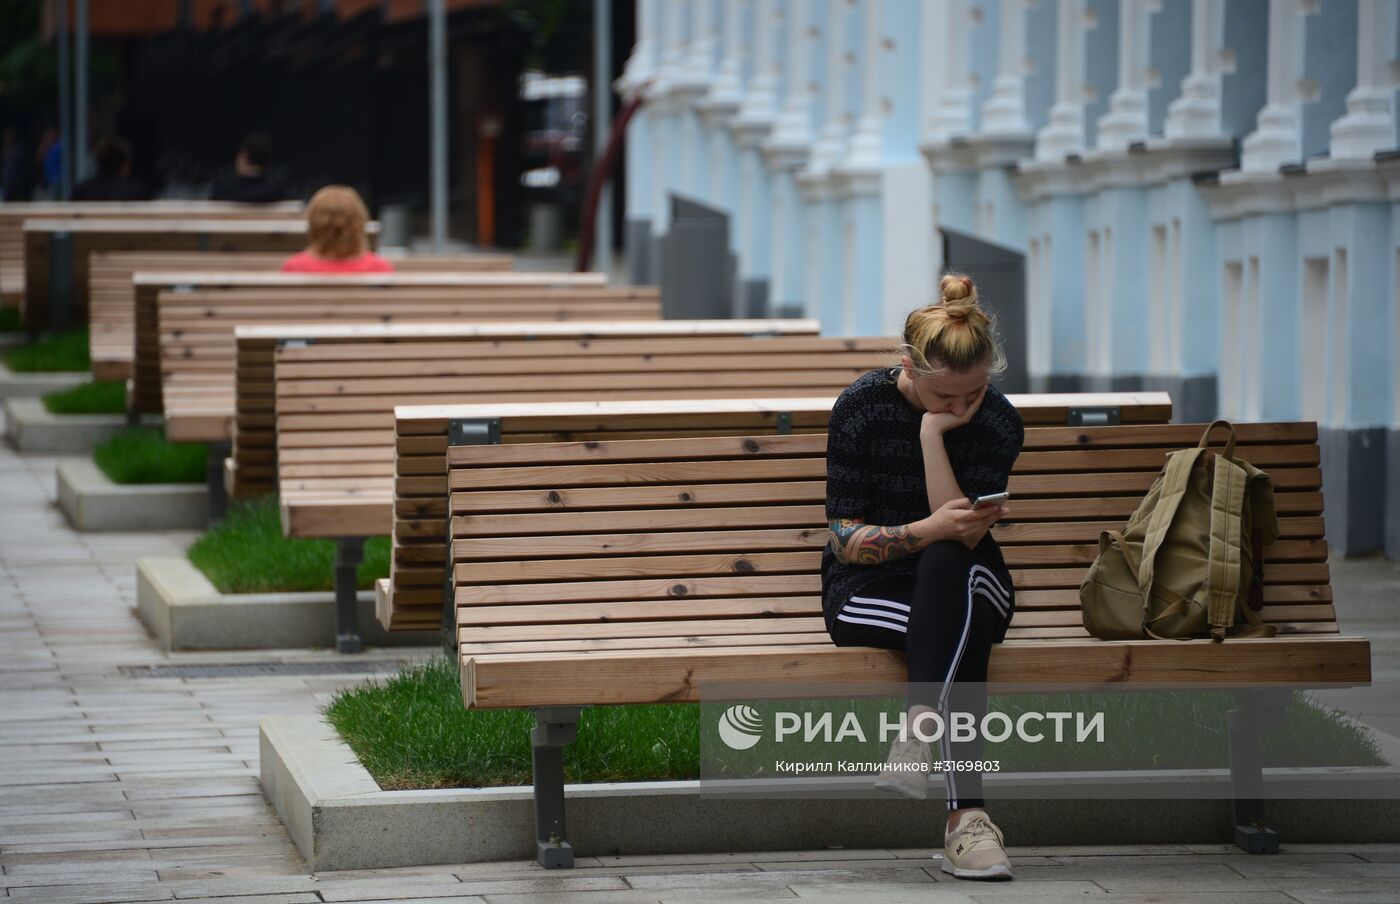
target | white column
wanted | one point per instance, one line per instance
(953, 114)
(1196, 113)
(727, 85)
(1277, 139)
(642, 63)
(700, 54)
(1126, 119)
(830, 146)
(866, 150)
(1064, 130)
(759, 104)
(1005, 111)
(793, 129)
(1369, 123)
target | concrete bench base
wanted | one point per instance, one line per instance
(27, 385)
(30, 427)
(184, 611)
(93, 502)
(339, 819)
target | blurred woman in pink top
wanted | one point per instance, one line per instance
(336, 219)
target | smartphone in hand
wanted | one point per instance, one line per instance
(990, 499)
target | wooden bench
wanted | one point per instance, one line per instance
(56, 253)
(325, 357)
(14, 213)
(335, 405)
(191, 334)
(112, 315)
(639, 571)
(428, 437)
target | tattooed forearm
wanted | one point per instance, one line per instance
(856, 543)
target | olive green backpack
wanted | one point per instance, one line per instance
(1189, 563)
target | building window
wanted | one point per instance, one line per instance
(1159, 303)
(1249, 334)
(1313, 351)
(1230, 341)
(1339, 365)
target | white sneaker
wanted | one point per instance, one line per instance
(906, 770)
(974, 849)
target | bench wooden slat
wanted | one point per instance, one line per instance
(677, 676)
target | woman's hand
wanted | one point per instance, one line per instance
(946, 421)
(958, 520)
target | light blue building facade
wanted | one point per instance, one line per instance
(1205, 191)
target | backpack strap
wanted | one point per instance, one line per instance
(1223, 567)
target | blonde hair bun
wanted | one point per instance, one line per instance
(959, 296)
(953, 334)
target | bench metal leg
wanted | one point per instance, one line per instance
(214, 480)
(349, 551)
(1259, 710)
(554, 727)
(60, 281)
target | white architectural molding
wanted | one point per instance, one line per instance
(1196, 113)
(1277, 140)
(1126, 119)
(952, 115)
(1063, 133)
(1004, 113)
(1369, 123)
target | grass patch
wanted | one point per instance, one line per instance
(52, 353)
(108, 397)
(143, 455)
(246, 553)
(412, 731)
(10, 320)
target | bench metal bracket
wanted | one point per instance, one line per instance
(1260, 709)
(784, 423)
(295, 343)
(349, 552)
(555, 727)
(460, 432)
(214, 479)
(1095, 417)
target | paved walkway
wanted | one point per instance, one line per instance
(116, 788)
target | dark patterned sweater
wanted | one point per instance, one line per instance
(875, 467)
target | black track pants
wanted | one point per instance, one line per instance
(945, 617)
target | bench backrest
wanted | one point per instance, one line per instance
(112, 314)
(277, 235)
(308, 359)
(424, 445)
(335, 420)
(14, 213)
(672, 546)
(184, 332)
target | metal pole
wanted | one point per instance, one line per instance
(80, 94)
(65, 104)
(602, 119)
(437, 70)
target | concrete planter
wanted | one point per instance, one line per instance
(340, 819)
(27, 385)
(184, 611)
(93, 502)
(30, 427)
